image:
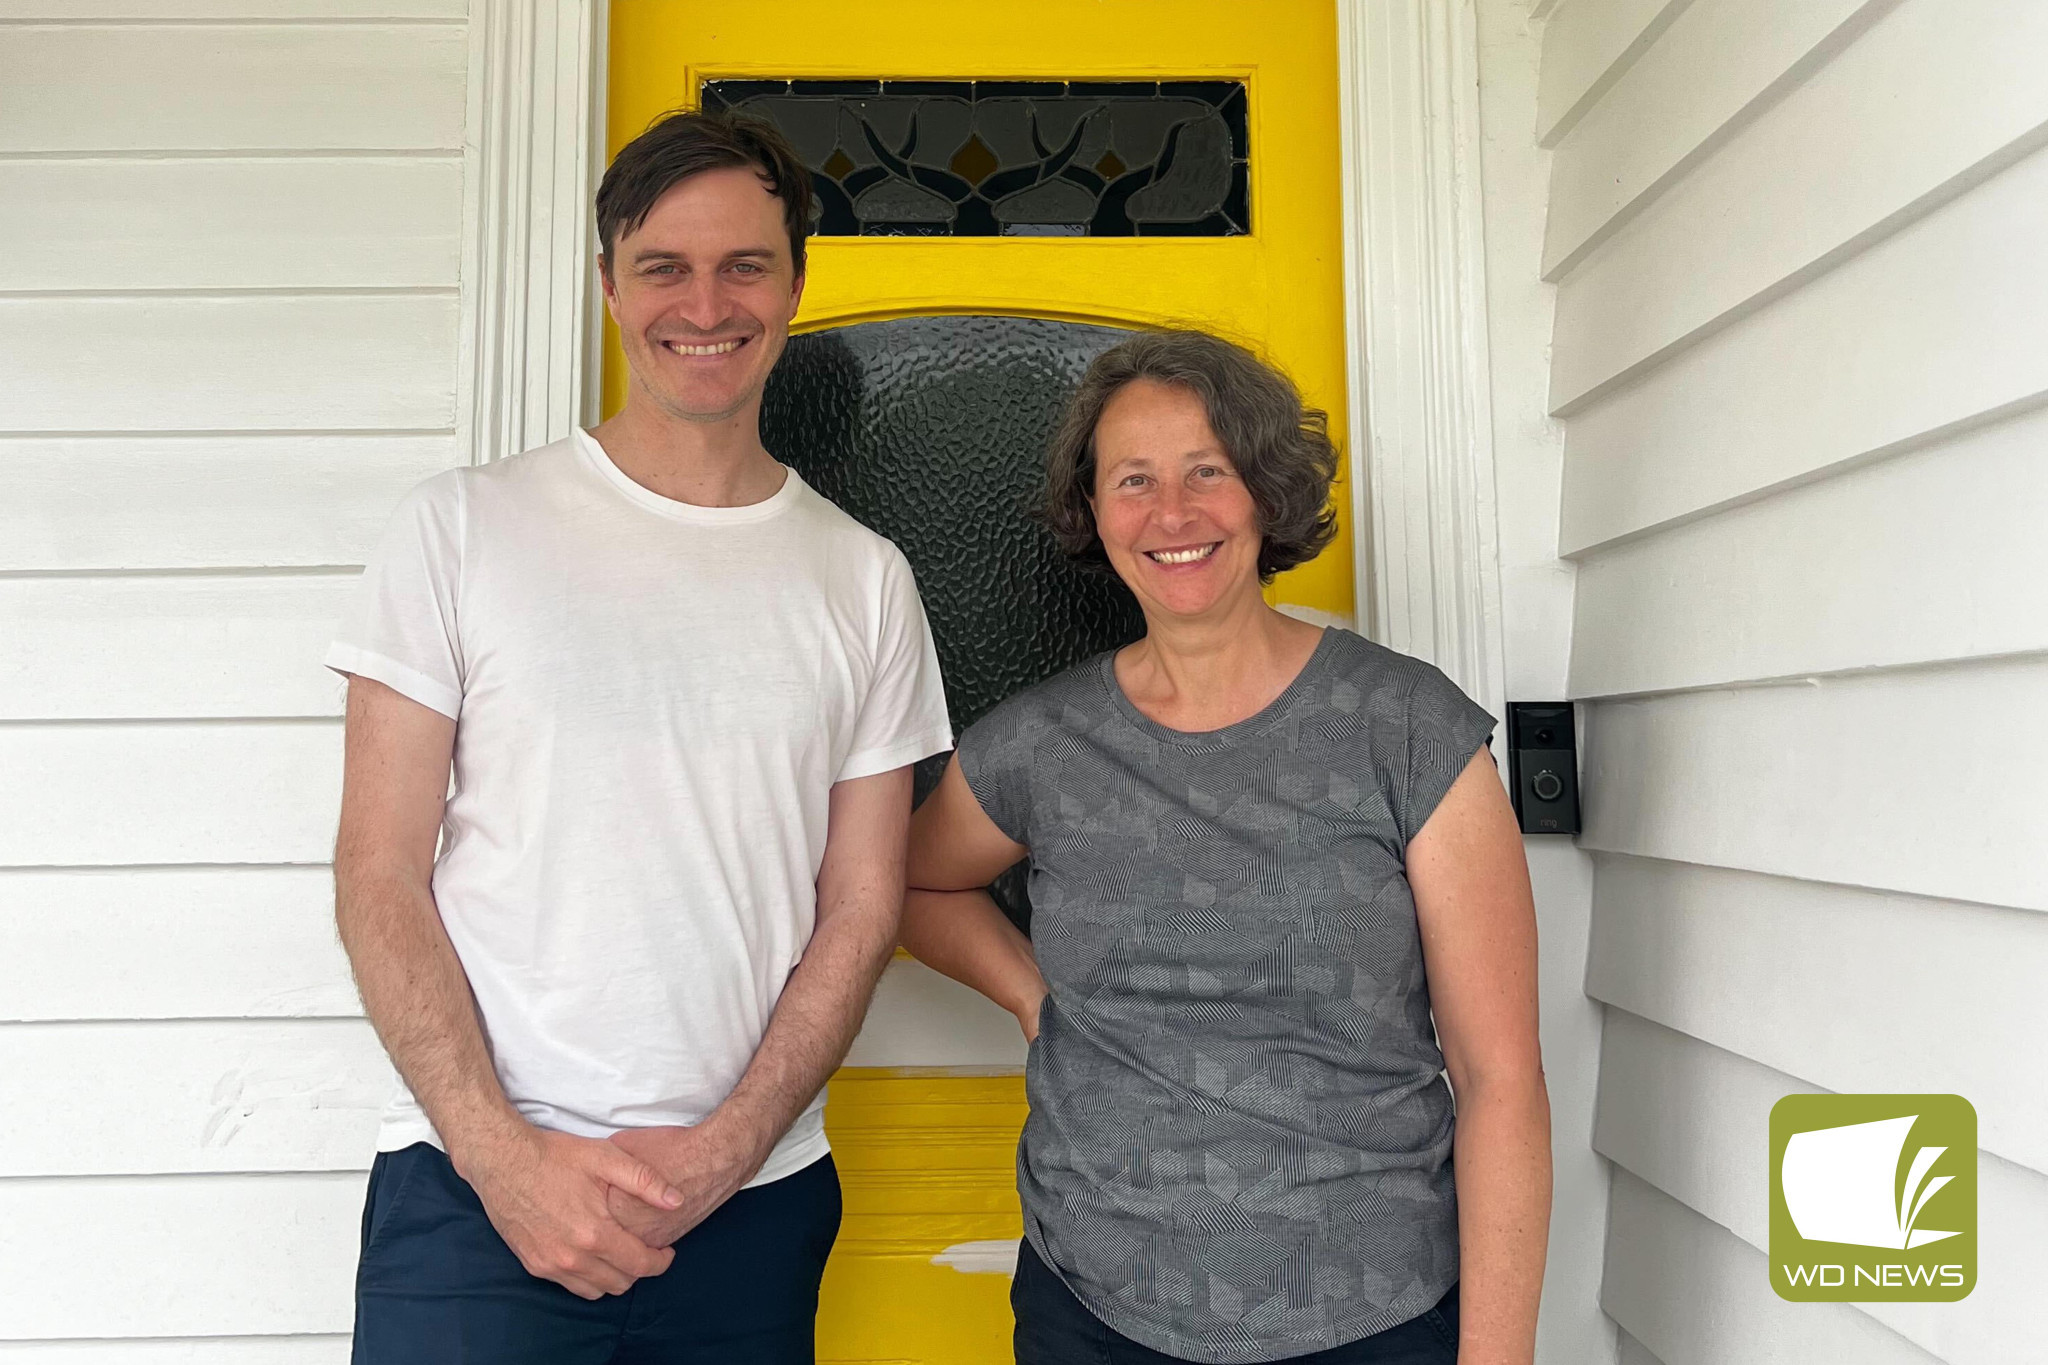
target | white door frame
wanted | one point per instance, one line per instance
(533, 152)
(1422, 499)
(1427, 552)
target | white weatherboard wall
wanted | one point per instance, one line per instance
(1800, 360)
(229, 242)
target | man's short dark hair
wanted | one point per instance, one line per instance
(1280, 447)
(683, 143)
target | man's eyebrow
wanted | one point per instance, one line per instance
(655, 253)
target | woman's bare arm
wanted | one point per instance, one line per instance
(949, 923)
(1478, 921)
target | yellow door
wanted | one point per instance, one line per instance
(927, 1155)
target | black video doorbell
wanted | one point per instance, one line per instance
(1543, 766)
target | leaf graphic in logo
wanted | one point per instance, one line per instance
(1841, 1185)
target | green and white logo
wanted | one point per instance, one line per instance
(1873, 1198)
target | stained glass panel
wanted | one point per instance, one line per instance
(1013, 158)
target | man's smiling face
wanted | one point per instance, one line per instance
(703, 292)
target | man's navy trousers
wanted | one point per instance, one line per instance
(438, 1286)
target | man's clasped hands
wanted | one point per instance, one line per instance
(596, 1214)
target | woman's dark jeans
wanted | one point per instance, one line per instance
(1054, 1328)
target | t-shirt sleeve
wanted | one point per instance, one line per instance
(400, 629)
(1445, 729)
(903, 717)
(995, 758)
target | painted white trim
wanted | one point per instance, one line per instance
(1422, 488)
(533, 151)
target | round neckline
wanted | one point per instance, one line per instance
(1262, 719)
(775, 503)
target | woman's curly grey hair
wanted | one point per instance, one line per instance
(1280, 447)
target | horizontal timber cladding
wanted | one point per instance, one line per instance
(1883, 565)
(1799, 360)
(298, 1348)
(1716, 61)
(1715, 777)
(302, 11)
(198, 1255)
(307, 361)
(219, 1096)
(1799, 194)
(1944, 995)
(98, 794)
(153, 936)
(1588, 45)
(1687, 1117)
(206, 500)
(230, 222)
(1696, 1294)
(215, 88)
(1940, 322)
(216, 646)
(1633, 1352)
(230, 240)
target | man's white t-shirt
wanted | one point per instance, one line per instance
(653, 702)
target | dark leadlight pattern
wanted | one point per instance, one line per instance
(932, 431)
(1013, 158)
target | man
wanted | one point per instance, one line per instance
(680, 693)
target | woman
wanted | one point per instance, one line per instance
(1263, 856)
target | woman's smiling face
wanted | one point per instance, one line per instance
(1176, 520)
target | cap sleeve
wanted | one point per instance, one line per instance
(995, 758)
(401, 628)
(903, 717)
(1445, 729)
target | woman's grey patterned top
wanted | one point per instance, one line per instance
(1240, 1136)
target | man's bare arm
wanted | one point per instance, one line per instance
(545, 1192)
(395, 780)
(860, 899)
